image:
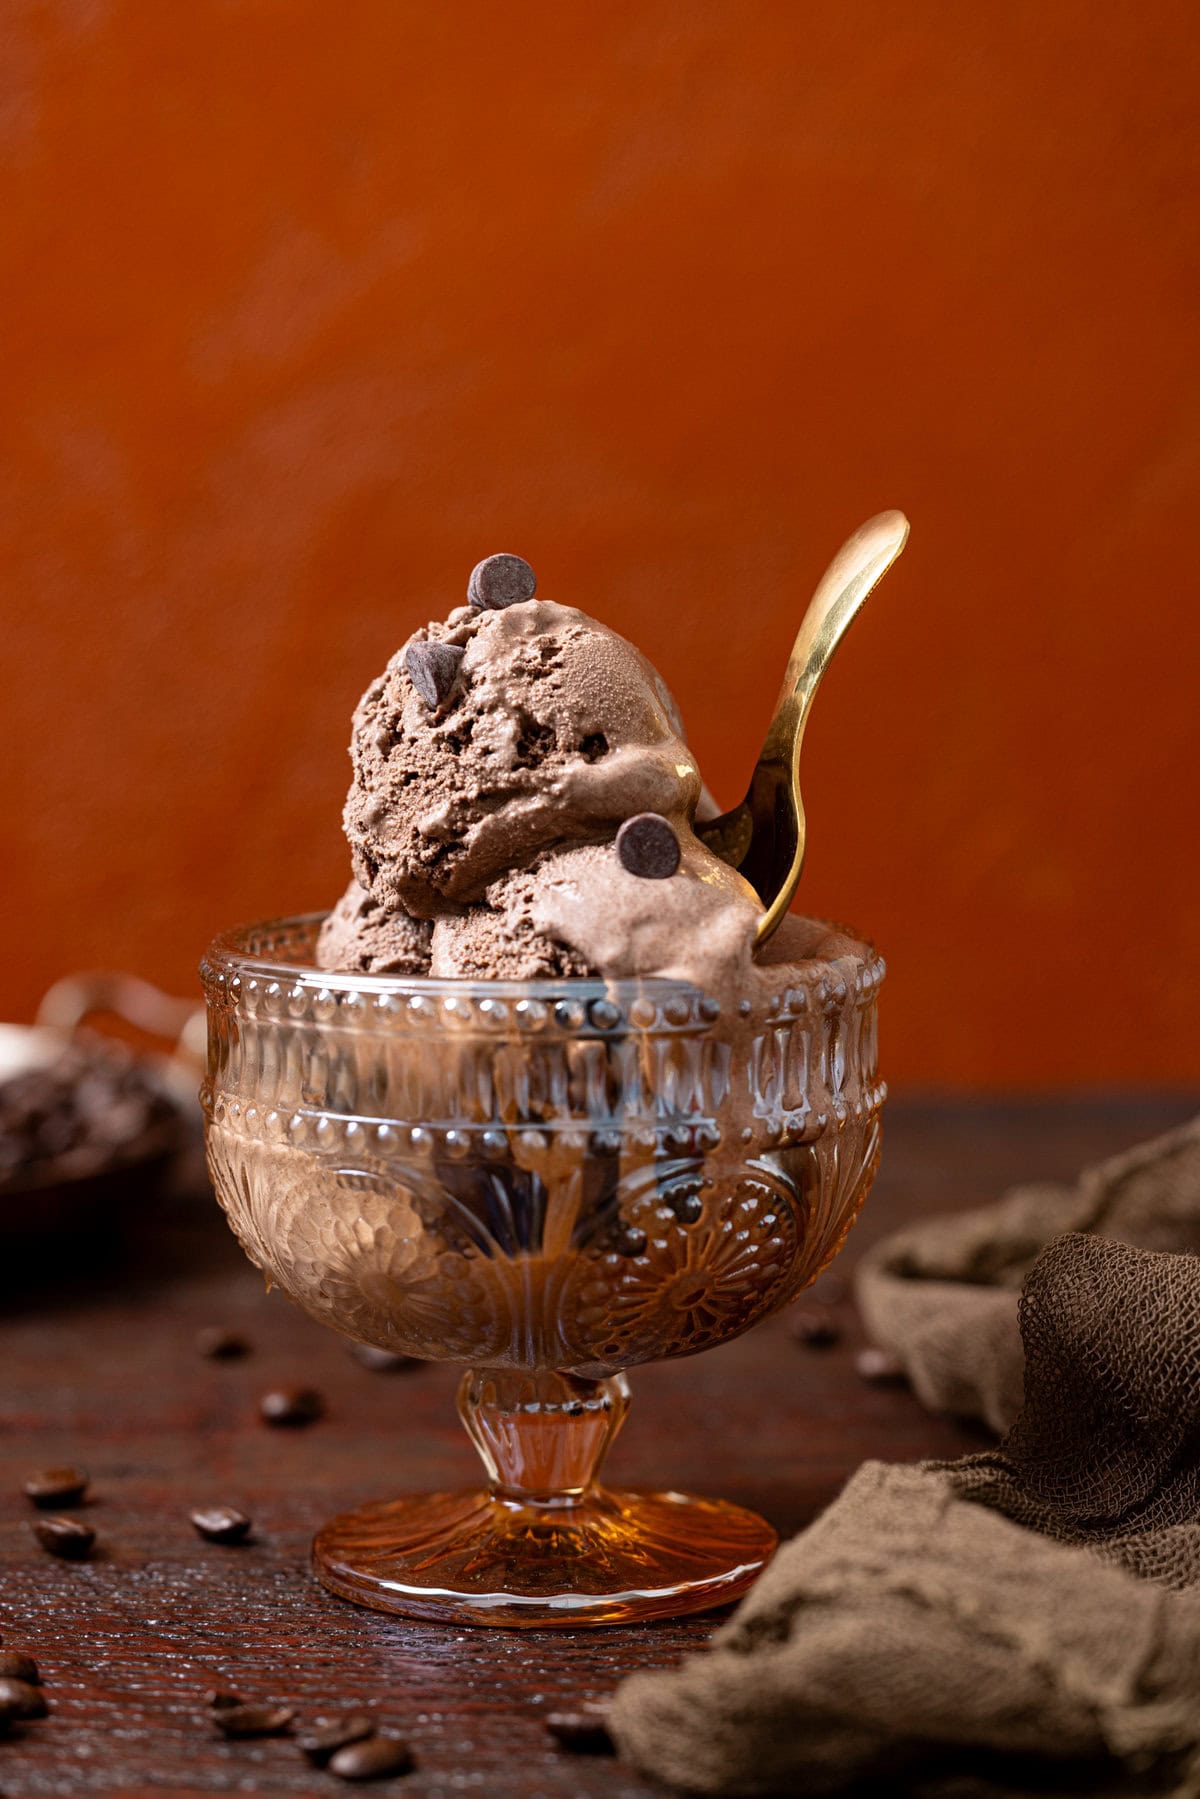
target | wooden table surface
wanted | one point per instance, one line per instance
(100, 1368)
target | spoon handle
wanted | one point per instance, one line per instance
(858, 566)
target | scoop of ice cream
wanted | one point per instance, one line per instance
(547, 729)
(522, 807)
(688, 925)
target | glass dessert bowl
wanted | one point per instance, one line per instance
(548, 1182)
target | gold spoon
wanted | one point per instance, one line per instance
(764, 836)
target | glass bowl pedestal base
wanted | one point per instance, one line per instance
(543, 1544)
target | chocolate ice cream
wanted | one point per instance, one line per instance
(522, 806)
(364, 935)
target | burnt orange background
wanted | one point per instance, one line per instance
(307, 307)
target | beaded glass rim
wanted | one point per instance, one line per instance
(229, 954)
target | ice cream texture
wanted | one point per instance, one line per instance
(522, 806)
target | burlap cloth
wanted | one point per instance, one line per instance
(1025, 1620)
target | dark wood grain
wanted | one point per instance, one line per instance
(98, 1366)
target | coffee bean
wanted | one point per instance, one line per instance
(65, 1537)
(220, 1345)
(384, 1361)
(583, 1732)
(21, 1699)
(500, 581)
(15, 1666)
(327, 1735)
(291, 1406)
(647, 846)
(880, 1367)
(815, 1330)
(371, 1759)
(221, 1524)
(57, 1486)
(253, 1720)
(631, 1242)
(433, 669)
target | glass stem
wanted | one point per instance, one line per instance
(541, 1436)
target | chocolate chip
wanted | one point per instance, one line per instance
(372, 1759)
(57, 1486)
(384, 1361)
(221, 1524)
(880, 1367)
(291, 1406)
(583, 1732)
(65, 1537)
(324, 1738)
(221, 1345)
(21, 1699)
(647, 846)
(814, 1329)
(253, 1720)
(433, 669)
(631, 1242)
(16, 1666)
(500, 581)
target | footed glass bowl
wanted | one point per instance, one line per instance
(548, 1182)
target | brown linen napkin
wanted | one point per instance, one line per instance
(942, 1295)
(1024, 1620)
